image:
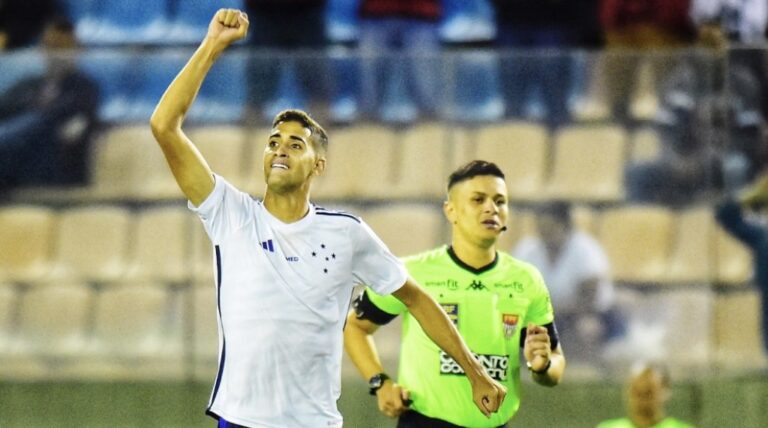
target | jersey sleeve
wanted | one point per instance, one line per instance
(224, 211)
(389, 303)
(373, 264)
(540, 311)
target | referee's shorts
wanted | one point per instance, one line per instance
(414, 419)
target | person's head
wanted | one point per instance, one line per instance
(60, 44)
(477, 203)
(295, 151)
(647, 394)
(554, 224)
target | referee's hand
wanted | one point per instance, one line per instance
(393, 399)
(487, 394)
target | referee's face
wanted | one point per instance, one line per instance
(290, 158)
(477, 209)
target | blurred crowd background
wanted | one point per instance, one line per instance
(620, 124)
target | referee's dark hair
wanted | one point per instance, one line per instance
(473, 169)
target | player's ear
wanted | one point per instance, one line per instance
(450, 211)
(319, 168)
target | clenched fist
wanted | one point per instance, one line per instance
(228, 26)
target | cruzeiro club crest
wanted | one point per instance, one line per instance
(510, 324)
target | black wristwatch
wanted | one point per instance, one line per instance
(376, 382)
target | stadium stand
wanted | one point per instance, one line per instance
(91, 244)
(406, 228)
(691, 253)
(27, 235)
(588, 163)
(733, 260)
(742, 350)
(637, 241)
(421, 157)
(521, 150)
(161, 243)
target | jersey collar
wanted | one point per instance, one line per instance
(476, 271)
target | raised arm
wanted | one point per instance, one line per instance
(191, 171)
(487, 393)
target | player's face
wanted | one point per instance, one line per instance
(290, 158)
(477, 208)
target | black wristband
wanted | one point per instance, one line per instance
(376, 382)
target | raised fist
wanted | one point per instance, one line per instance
(228, 26)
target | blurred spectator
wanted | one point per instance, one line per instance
(22, 21)
(292, 27)
(639, 26)
(647, 394)
(46, 122)
(399, 46)
(467, 32)
(537, 83)
(745, 217)
(688, 164)
(576, 271)
(720, 21)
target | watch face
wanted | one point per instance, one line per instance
(376, 381)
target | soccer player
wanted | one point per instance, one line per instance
(647, 393)
(285, 268)
(498, 303)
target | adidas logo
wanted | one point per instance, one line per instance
(267, 245)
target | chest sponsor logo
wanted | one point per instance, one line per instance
(494, 365)
(450, 284)
(477, 286)
(452, 309)
(510, 324)
(512, 286)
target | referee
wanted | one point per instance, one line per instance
(498, 303)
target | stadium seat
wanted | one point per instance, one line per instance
(206, 339)
(202, 255)
(588, 164)
(254, 169)
(645, 145)
(462, 146)
(53, 320)
(734, 261)
(189, 22)
(637, 241)
(116, 22)
(92, 244)
(421, 169)
(26, 239)
(137, 335)
(737, 330)
(161, 245)
(406, 228)
(360, 160)
(8, 307)
(127, 162)
(521, 150)
(691, 251)
(224, 148)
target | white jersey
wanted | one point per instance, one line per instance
(581, 259)
(283, 292)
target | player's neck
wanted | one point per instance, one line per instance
(476, 256)
(288, 207)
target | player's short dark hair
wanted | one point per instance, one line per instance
(557, 209)
(472, 170)
(317, 133)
